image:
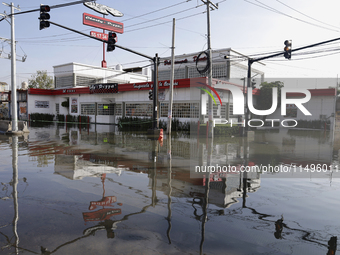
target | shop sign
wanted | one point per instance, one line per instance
(95, 21)
(104, 88)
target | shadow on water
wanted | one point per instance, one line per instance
(137, 196)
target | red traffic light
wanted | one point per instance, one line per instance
(45, 8)
(111, 41)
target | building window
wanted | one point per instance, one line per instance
(219, 71)
(215, 109)
(22, 97)
(66, 81)
(57, 108)
(193, 73)
(86, 81)
(164, 109)
(164, 75)
(141, 110)
(105, 109)
(118, 110)
(223, 111)
(185, 110)
(231, 110)
(88, 109)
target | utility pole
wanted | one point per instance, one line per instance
(172, 77)
(210, 102)
(14, 108)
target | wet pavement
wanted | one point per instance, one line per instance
(80, 191)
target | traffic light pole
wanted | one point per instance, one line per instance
(253, 60)
(155, 74)
(14, 107)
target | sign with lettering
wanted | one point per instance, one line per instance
(95, 21)
(104, 88)
(99, 35)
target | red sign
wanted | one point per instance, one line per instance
(101, 215)
(105, 201)
(99, 35)
(95, 21)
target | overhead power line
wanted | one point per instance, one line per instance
(267, 7)
(307, 15)
(161, 9)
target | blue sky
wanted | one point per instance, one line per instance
(248, 26)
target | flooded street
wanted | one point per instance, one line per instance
(91, 191)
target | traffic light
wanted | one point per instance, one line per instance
(44, 16)
(288, 49)
(150, 94)
(111, 41)
(253, 84)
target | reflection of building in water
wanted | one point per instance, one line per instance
(76, 167)
(288, 146)
(223, 193)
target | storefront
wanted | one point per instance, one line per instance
(104, 103)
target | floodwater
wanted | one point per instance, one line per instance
(92, 191)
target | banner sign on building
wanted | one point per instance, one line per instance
(95, 21)
(104, 88)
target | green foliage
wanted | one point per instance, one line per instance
(60, 117)
(143, 124)
(41, 119)
(265, 99)
(66, 103)
(134, 124)
(313, 124)
(41, 80)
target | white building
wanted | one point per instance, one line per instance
(73, 81)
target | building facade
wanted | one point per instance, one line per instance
(73, 82)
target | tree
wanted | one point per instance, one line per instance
(41, 80)
(265, 100)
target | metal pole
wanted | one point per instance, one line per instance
(104, 64)
(155, 92)
(210, 102)
(171, 96)
(250, 61)
(13, 74)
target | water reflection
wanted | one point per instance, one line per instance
(130, 190)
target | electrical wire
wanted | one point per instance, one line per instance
(264, 6)
(307, 15)
(148, 13)
(158, 18)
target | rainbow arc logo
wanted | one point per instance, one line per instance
(209, 93)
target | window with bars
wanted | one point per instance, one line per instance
(231, 109)
(185, 110)
(165, 74)
(86, 81)
(65, 81)
(140, 110)
(88, 109)
(105, 109)
(219, 71)
(223, 111)
(118, 110)
(57, 109)
(164, 109)
(215, 110)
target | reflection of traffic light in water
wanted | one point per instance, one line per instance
(332, 245)
(278, 228)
